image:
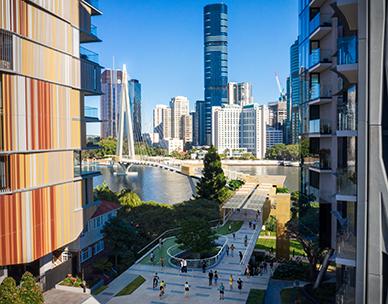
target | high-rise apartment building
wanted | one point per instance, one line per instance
(277, 114)
(45, 76)
(344, 104)
(236, 127)
(111, 83)
(240, 93)
(199, 134)
(293, 96)
(216, 62)
(162, 121)
(179, 107)
(134, 90)
(187, 128)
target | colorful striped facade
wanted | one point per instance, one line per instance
(42, 201)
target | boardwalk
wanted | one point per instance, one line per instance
(200, 291)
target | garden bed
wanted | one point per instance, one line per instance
(131, 287)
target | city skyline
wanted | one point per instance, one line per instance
(184, 45)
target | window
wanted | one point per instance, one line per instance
(86, 254)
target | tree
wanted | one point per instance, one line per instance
(129, 199)
(30, 292)
(108, 146)
(213, 180)
(121, 238)
(103, 192)
(196, 236)
(9, 292)
(304, 148)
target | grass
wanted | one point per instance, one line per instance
(267, 233)
(267, 244)
(131, 287)
(100, 289)
(256, 296)
(223, 230)
(159, 252)
(289, 295)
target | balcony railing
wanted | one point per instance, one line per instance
(94, 3)
(93, 30)
(88, 54)
(347, 119)
(90, 77)
(347, 50)
(318, 91)
(347, 181)
(320, 126)
(91, 112)
(6, 50)
(320, 161)
(320, 20)
(319, 56)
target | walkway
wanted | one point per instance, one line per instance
(200, 291)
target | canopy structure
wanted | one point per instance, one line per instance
(240, 197)
(256, 201)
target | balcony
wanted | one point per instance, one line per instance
(319, 60)
(89, 34)
(319, 162)
(90, 76)
(91, 114)
(319, 128)
(320, 94)
(85, 171)
(348, 58)
(349, 11)
(94, 5)
(346, 184)
(6, 50)
(88, 55)
(347, 121)
(320, 26)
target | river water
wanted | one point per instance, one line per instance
(155, 184)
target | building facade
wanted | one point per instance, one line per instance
(172, 144)
(253, 129)
(179, 107)
(45, 197)
(240, 93)
(134, 90)
(216, 62)
(294, 92)
(199, 123)
(273, 137)
(111, 83)
(277, 114)
(187, 128)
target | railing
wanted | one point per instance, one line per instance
(93, 30)
(320, 126)
(91, 112)
(88, 54)
(318, 91)
(6, 50)
(347, 181)
(347, 50)
(90, 76)
(320, 20)
(320, 161)
(174, 261)
(347, 119)
(346, 244)
(319, 56)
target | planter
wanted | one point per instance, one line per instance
(72, 289)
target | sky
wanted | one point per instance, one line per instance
(161, 42)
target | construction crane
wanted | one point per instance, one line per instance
(281, 91)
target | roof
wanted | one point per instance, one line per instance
(105, 207)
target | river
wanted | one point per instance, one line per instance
(155, 184)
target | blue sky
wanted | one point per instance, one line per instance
(161, 41)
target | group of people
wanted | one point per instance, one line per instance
(214, 276)
(162, 285)
(258, 270)
(252, 224)
(152, 259)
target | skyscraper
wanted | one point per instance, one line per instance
(240, 93)
(199, 123)
(111, 81)
(187, 128)
(134, 89)
(216, 62)
(162, 121)
(293, 110)
(179, 107)
(45, 197)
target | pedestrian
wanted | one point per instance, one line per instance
(210, 276)
(222, 291)
(246, 240)
(155, 280)
(234, 235)
(187, 288)
(162, 289)
(161, 262)
(181, 265)
(227, 250)
(185, 265)
(271, 265)
(261, 268)
(232, 249)
(293, 253)
(240, 254)
(152, 257)
(247, 271)
(215, 277)
(265, 267)
(231, 282)
(160, 242)
(203, 266)
(250, 224)
(239, 284)
(230, 228)
(254, 225)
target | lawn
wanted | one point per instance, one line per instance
(267, 233)
(289, 295)
(159, 251)
(256, 296)
(223, 230)
(267, 244)
(131, 287)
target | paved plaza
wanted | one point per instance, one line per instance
(200, 291)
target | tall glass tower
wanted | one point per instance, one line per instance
(216, 61)
(134, 88)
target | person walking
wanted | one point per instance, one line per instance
(222, 291)
(240, 254)
(155, 280)
(231, 282)
(227, 250)
(247, 271)
(261, 269)
(250, 224)
(234, 235)
(203, 266)
(210, 276)
(246, 240)
(230, 228)
(239, 284)
(254, 225)
(161, 262)
(187, 288)
(152, 257)
(162, 289)
(215, 277)
(271, 266)
(181, 265)
(184, 265)
(232, 249)
(265, 267)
